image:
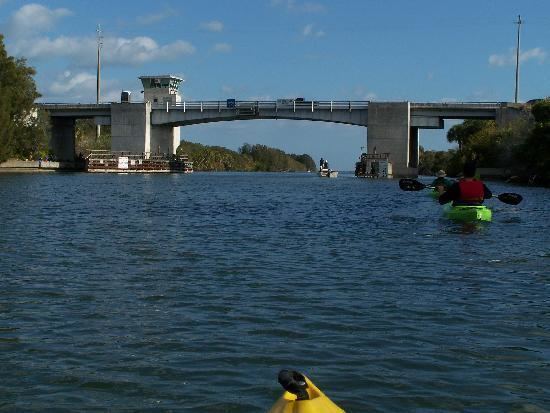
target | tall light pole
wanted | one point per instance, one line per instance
(98, 75)
(517, 60)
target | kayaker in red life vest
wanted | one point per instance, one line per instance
(467, 191)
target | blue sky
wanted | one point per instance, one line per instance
(420, 51)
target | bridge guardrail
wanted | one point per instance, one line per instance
(256, 105)
(80, 105)
(280, 104)
(482, 105)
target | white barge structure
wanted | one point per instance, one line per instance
(123, 162)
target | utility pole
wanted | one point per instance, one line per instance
(98, 75)
(517, 59)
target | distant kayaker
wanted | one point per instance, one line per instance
(467, 191)
(441, 183)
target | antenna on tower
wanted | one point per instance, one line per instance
(99, 46)
(519, 22)
(98, 75)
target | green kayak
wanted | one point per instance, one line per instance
(466, 213)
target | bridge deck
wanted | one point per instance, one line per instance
(192, 112)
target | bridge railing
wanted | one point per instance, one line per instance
(257, 105)
(477, 105)
(51, 105)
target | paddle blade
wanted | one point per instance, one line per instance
(510, 198)
(407, 184)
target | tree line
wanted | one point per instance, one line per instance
(521, 149)
(24, 131)
(247, 158)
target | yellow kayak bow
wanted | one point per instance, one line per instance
(302, 396)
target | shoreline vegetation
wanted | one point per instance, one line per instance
(518, 152)
(249, 158)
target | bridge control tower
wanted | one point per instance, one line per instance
(131, 127)
(161, 89)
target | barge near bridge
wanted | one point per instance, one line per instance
(121, 162)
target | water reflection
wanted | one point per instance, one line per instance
(467, 227)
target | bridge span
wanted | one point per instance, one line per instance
(393, 127)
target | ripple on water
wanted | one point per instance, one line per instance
(189, 293)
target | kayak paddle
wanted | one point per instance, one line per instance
(407, 184)
(509, 198)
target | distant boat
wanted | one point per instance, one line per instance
(325, 171)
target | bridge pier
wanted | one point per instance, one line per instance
(390, 131)
(165, 139)
(62, 141)
(131, 127)
(510, 113)
(132, 131)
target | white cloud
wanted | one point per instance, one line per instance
(537, 53)
(213, 26)
(44, 47)
(510, 59)
(81, 87)
(302, 7)
(222, 47)
(34, 18)
(362, 93)
(155, 18)
(75, 84)
(309, 30)
(142, 49)
(115, 51)
(499, 60)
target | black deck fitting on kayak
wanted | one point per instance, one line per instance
(294, 382)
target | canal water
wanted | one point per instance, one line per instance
(190, 292)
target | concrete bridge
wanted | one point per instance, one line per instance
(393, 127)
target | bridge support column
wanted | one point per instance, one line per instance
(131, 127)
(507, 115)
(131, 130)
(62, 141)
(165, 139)
(389, 131)
(413, 147)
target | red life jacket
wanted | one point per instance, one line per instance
(471, 191)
